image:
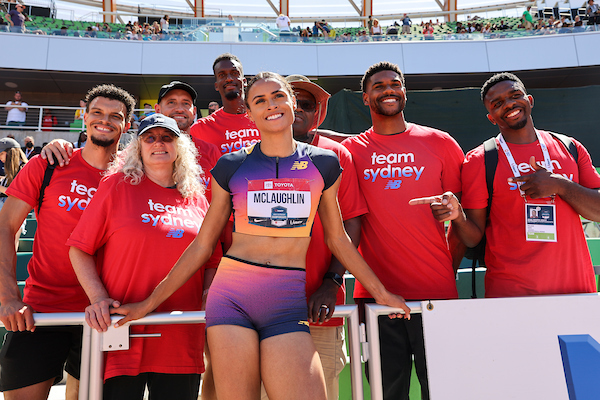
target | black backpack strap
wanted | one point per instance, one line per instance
(490, 148)
(568, 143)
(47, 176)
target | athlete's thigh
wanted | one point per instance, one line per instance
(291, 368)
(235, 361)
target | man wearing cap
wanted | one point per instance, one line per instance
(229, 128)
(16, 19)
(324, 282)
(17, 111)
(212, 107)
(32, 358)
(176, 100)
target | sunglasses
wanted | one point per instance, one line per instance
(306, 105)
(151, 138)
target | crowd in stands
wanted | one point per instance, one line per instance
(159, 29)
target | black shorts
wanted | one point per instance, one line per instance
(160, 386)
(28, 358)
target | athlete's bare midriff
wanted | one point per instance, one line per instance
(277, 251)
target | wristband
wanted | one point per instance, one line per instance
(337, 278)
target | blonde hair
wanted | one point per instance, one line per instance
(186, 171)
(14, 158)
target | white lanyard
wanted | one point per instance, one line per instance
(513, 164)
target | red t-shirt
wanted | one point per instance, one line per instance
(516, 267)
(138, 233)
(208, 154)
(229, 132)
(405, 245)
(352, 204)
(52, 285)
(48, 121)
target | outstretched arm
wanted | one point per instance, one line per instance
(342, 248)
(542, 184)
(467, 225)
(196, 255)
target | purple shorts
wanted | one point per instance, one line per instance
(269, 299)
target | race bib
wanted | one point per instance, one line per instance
(279, 203)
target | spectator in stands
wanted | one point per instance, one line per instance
(49, 121)
(81, 140)
(81, 111)
(212, 107)
(164, 24)
(428, 31)
(406, 24)
(324, 282)
(158, 168)
(16, 19)
(148, 110)
(325, 28)
(417, 264)
(502, 26)
(106, 28)
(363, 37)
(96, 27)
(593, 12)
(316, 29)
(393, 30)
(555, 176)
(370, 23)
(283, 23)
(156, 27)
(17, 111)
(487, 28)
(52, 285)
(30, 149)
(527, 19)
(13, 159)
(578, 21)
(376, 28)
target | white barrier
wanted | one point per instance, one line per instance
(72, 319)
(350, 312)
(372, 311)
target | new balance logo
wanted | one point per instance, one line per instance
(175, 233)
(393, 184)
(299, 165)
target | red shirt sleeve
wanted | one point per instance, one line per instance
(28, 182)
(474, 188)
(588, 175)
(351, 199)
(453, 161)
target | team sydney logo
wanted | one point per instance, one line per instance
(80, 196)
(392, 167)
(176, 219)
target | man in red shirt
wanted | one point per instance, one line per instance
(177, 100)
(535, 243)
(229, 128)
(48, 120)
(406, 247)
(32, 358)
(324, 274)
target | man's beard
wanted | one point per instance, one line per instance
(378, 109)
(102, 142)
(232, 95)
